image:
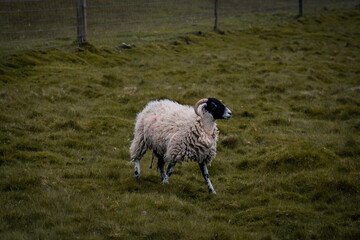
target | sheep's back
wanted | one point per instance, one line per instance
(161, 120)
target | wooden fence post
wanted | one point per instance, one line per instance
(300, 8)
(82, 23)
(216, 12)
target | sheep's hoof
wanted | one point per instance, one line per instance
(212, 191)
(165, 180)
(137, 175)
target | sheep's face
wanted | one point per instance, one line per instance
(217, 109)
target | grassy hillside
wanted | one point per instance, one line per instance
(287, 165)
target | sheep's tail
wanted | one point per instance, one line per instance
(201, 101)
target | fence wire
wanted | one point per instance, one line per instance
(39, 24)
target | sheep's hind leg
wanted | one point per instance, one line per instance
(137, 151)
(206, 176)
(152, 160)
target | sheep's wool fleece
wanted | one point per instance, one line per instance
(174, 131)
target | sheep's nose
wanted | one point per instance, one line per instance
(227, 114)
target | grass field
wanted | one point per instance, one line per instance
(287, 165)
(42, 24)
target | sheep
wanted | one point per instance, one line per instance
(176, 132)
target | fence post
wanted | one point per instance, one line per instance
(82, 24)
(300, 8)
(216, 12)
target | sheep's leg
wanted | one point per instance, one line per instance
(169, 171)
(137, 168)
(206, 176)
(137, 151)
(152, 160)
(161, 167)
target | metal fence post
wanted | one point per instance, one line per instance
(82, 26)
(216, 12)
(300, 8)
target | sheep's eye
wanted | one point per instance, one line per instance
(213, 105)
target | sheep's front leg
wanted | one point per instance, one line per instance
(206, 176)
(137, 168)
(169, 171)
(161, 167)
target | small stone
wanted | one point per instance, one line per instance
(126, 46)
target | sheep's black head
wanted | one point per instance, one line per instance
(217, 109)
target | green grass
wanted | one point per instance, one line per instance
(287, 165)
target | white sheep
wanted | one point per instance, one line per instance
(176, 132)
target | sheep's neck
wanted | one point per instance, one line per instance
(208, 123)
